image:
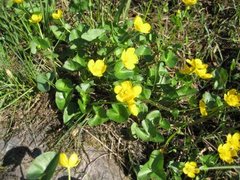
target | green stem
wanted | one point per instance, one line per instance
(171, 137)
(219, 167)
(148, 8)
(69, 173)
(40, 31)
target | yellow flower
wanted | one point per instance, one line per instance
(198, 67)
(189, 2)
(18, 1)
(190, 169)
(97, 68)
(126, 93)
(73, 161)
(129, 58)
(140, 26)
(234, 141)
(35, 18)
(58, 14)
(186, 69)
(232, 98)
(226, 153)
(202, 107)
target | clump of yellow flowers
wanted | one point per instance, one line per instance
(230, 149)
(129, 58)
(97, 68)
(189, 2)
(140, 26)
(36, 18)
(196, 66)
(58, 14)
(126, 93)
(68, 163)
(232, 98)
(18, 1)
(191, 169)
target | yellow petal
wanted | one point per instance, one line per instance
(73, 160)
(133, 109)
(63, 160)
(91, 64)
(206, 76)
(137, 90)
(146, 27)
(138, 23)
(117, 89)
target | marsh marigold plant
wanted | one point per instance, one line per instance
(126, 93)
(35, 18)
(229, 150)
(189, 2)
(97, 68)
(196, 66)
(129, 58)
(140, 26)
(191, 169)
(232, 98)
(58, 14)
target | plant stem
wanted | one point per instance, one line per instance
(69, 173)
(40, 31)
(219, 167)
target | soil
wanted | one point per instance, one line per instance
(35, 127)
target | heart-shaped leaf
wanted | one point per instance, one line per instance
(100, 116)
(118, 113)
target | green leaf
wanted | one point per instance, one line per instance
(64, 85)
(70, 112)
(147, 132)
(122, 73)
(137, 132)
(163, 123)
(186, 90)
(143, 51)
(43, 81)
(71, 65)
(154, 116)
(170, 58)
(99, 118)
(58, 33)
(82, 106)
(43, 167)
(153, 168)
(74, 34)
(146, 93)
(79, 60)
(118, 113)
(62, 99)
(92, 34)
(220, 78)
